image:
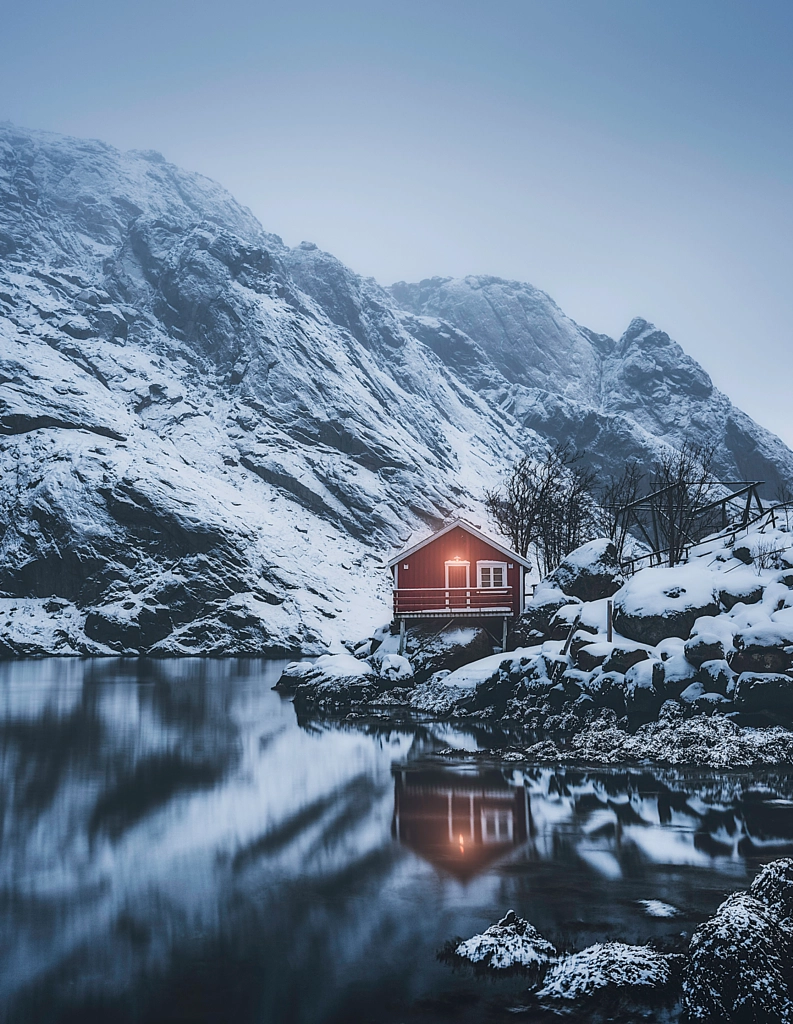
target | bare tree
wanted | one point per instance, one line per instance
(546, 503)
(681, 506)
(784, 497)
(619, 492)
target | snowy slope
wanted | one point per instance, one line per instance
(610, 398)
(209, 441)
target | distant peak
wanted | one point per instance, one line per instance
(152, 155)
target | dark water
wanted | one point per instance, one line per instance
(176, 847)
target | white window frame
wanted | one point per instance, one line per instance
(486, 563)
(503, 821)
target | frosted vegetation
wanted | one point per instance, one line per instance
(210, 440)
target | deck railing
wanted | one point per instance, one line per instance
(409, 601)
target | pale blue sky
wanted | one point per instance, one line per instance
(631, 157)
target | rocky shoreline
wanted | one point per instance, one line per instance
(698, 671)
(737, 966)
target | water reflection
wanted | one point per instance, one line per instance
(460, 821)
(175, 846)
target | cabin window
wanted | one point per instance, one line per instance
(497, 825)
(491, 574)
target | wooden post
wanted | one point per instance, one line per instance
(401, 636)
(504, 636)
(610, 620)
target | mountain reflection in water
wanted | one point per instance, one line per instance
(175, 846)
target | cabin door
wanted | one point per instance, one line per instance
(457, 594)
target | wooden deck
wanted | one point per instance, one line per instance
(453, 602)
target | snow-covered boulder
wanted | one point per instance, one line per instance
(533, 625)
(679, 674)
(764, 691)
(591, 572)
(767, 647)
(740, 586)
(430, 651)
(335, 682)
(295, 673)
(738, 966)
(644, 688)
(717, 677)
(608, 966)
(583, 638)
(589, 656)
(607, 690)
(512, 944)
(659, 602)
(704, 647)
(774, 886)
(395, 668)
(623, 655)
(563, 621)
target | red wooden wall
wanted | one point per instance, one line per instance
(426, 567)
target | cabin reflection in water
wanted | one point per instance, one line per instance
(459, 821)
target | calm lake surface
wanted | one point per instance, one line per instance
(177, 847)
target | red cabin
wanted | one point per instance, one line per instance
(458, 572)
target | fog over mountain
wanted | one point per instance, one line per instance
(209, 440)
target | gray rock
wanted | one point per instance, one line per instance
(692, 693)
(702, 648)
(533, 626)
(744, 589)
(623, 656)
(607, 690)
(679, 673)
(591, 572)
(583, 638)
(429, 650)
(717, 677)
(764, 691)
(590, 656)
(763, 649)
(563, 621)
(649, 609)
(710, 703)
(644, 691)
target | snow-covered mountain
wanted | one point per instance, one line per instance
(209, 440)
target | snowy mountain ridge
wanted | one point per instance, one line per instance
(210, 440)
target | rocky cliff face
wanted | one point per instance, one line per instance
(612, 399)
(209, 440)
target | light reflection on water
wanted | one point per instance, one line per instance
(176, 847)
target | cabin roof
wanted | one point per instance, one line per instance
(508, 552)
